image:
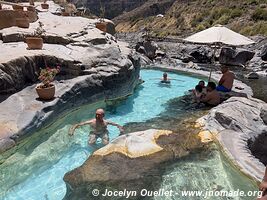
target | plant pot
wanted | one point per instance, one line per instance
(101, 26)
(17, 7)
(34, 42)
(22, 22)
(31, 8)
(65, 14)
(46, 93)
(44, 6)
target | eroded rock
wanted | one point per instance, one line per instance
(129, 157)
(234, 122)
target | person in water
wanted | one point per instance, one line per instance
(165, 78)
(263, 186)
(226, 81)
(212, 97)
(99, 128)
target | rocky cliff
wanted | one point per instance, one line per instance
(112, 8)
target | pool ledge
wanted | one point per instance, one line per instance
(25, 114)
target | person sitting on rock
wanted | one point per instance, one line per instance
(99, 126)
(212, 98)
(263, 187)
(226, 81)
(165, 78)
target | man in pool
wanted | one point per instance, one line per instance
(165, 78)
(226, 81)
(99, 126)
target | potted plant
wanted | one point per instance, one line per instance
(44, 5)
(46, 90)
(36, 41)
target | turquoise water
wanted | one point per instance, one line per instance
(35, 172)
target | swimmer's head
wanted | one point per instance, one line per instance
(224, 68)
(211, 86)
(165, 76)
(201, 83)
(99, 114)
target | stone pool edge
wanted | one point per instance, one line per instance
(27, 114)
(252, 167)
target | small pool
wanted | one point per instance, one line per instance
(36, 170)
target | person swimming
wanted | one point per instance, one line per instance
(99, 128)
(165, 78)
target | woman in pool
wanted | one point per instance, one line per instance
(99, 126)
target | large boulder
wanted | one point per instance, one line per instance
(234, 123)
(130, 157)
(238, 57)
(201, 54)
(147, 48)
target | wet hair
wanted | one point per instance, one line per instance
(212, 85)
(201, 82)
(224, 66)
(165, 74)
(198, 88)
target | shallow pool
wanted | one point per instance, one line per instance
(36, 170)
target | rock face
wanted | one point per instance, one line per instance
(128, 157)
(237, 56)
(234, 122)
(264, 53)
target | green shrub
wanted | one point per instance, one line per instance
(200, 27)
(257, 28)
(259, 14)
(223, 20)
(236, 13)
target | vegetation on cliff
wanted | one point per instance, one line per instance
(183, 17)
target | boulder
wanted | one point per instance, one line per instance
(253, 75)
(147, 48)
(201, 54)
(238, 57)
(129, 157)
(234, 123)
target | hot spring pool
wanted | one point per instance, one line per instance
(36, 170)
